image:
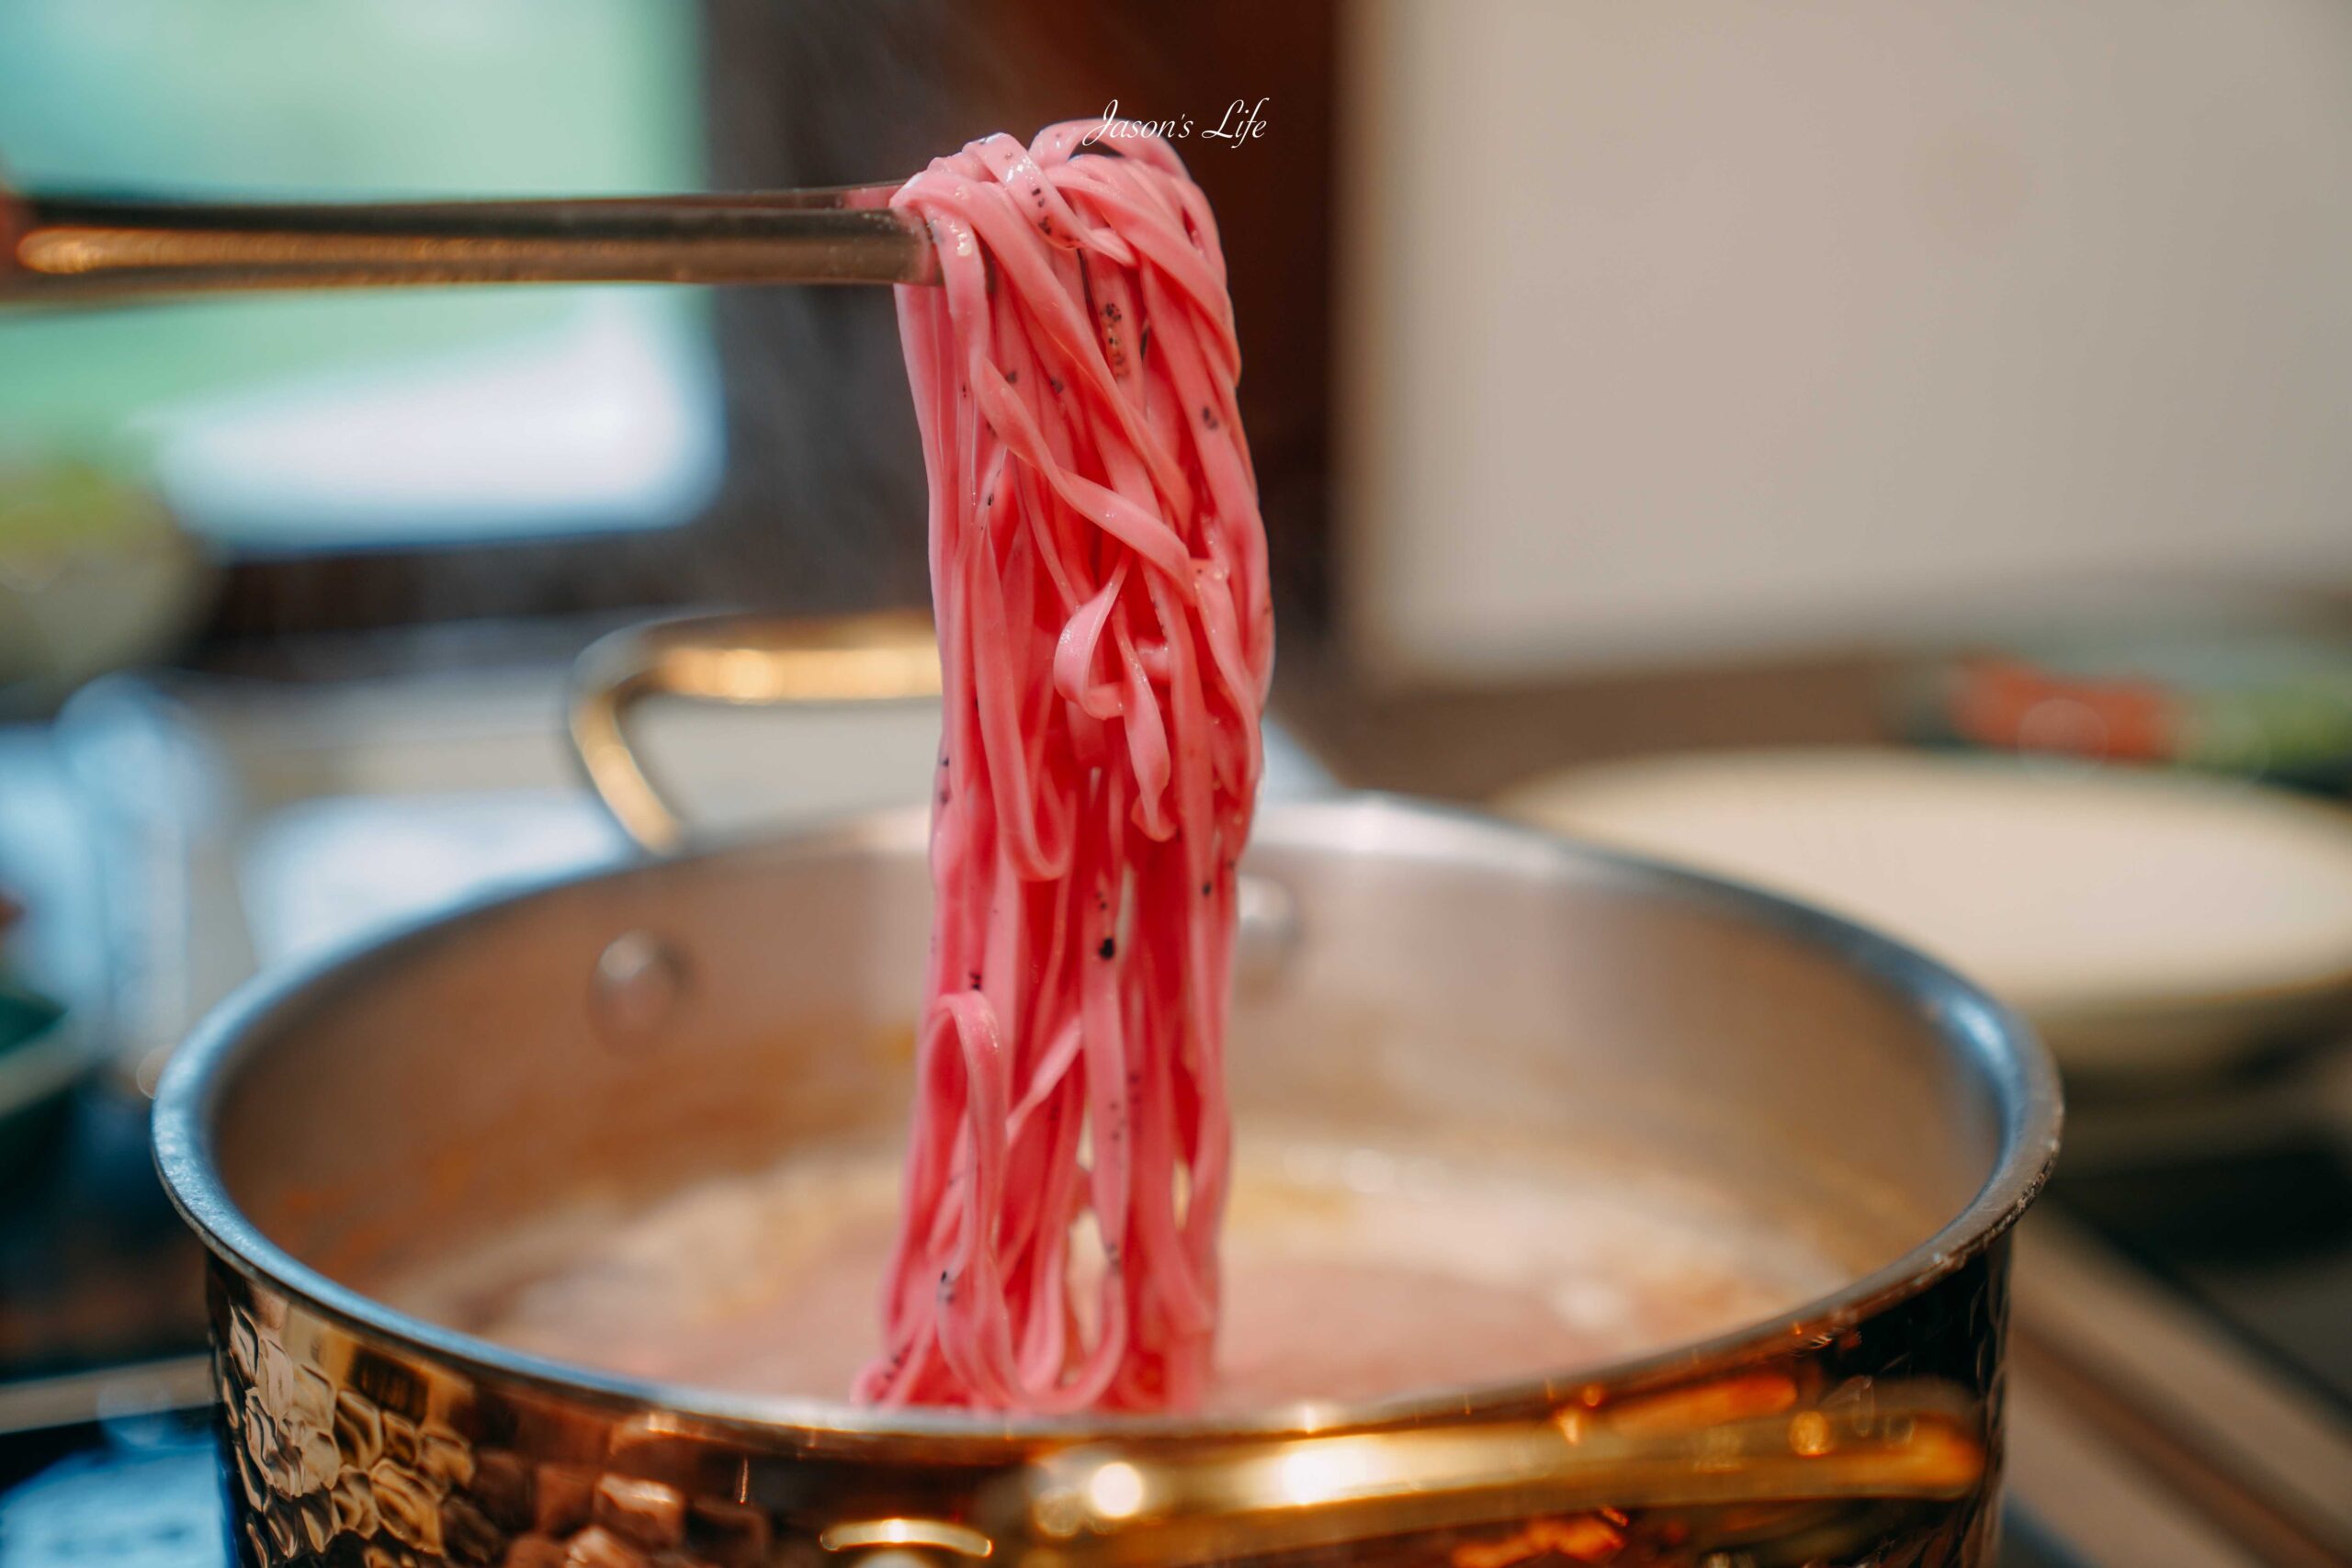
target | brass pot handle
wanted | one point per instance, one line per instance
(1108, 1507)
(743, 659)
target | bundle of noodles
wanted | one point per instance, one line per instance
(1099, 577)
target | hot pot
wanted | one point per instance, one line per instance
(1403, 967)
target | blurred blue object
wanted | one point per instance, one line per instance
(144, 1492)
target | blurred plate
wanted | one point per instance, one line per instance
(2146, 923)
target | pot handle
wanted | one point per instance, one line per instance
(744, 660)
(1718, 1446)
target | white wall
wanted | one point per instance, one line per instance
(1687, 326)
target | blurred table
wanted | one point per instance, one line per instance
(1469, 740)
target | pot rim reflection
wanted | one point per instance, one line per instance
(1999, 1047)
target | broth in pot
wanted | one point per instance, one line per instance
(1350, 1273)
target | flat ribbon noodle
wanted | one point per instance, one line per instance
(1098, 580)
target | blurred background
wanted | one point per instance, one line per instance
(1901, 454)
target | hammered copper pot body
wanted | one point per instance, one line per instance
(1406, 973)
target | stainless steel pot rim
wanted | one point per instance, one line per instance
(2011, 1059)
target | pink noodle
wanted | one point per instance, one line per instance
(1099, 574)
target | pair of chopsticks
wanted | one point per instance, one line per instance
(64, 249)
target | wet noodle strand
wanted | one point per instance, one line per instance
(1099, 579)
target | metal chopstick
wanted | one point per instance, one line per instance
(64, 249)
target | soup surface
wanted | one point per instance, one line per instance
(1349, 1273)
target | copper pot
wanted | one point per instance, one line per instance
(326, 1128)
